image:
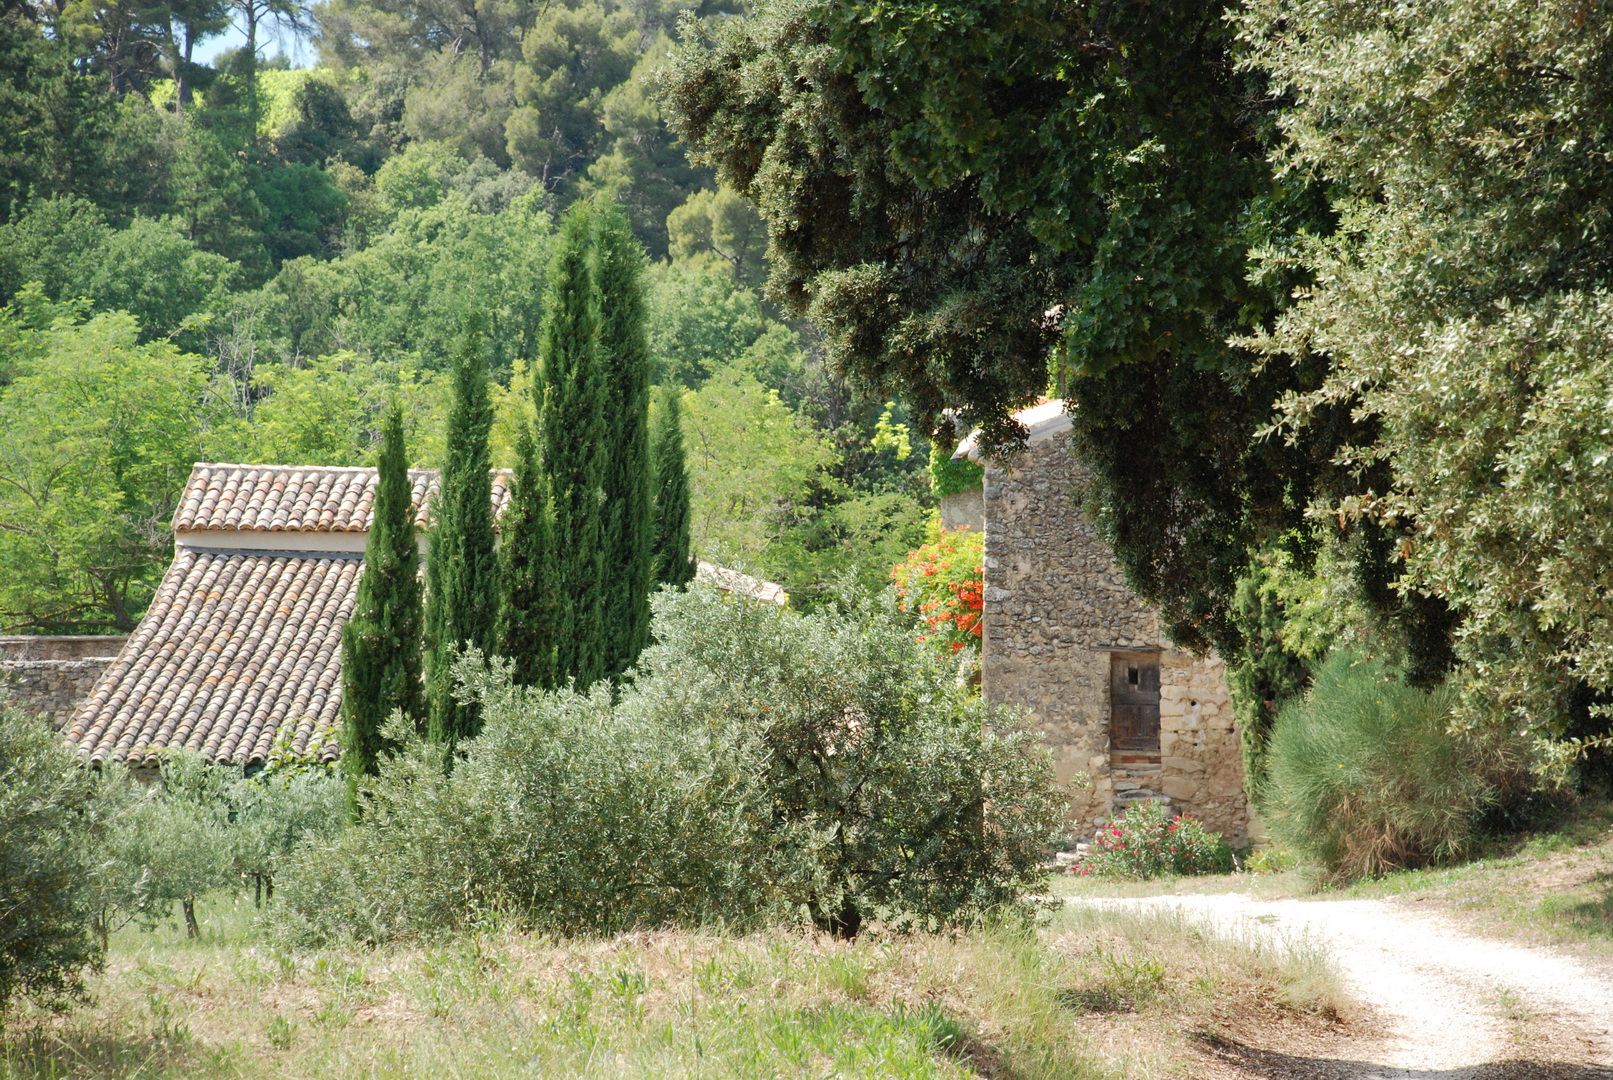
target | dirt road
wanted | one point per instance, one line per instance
(1446, 1005)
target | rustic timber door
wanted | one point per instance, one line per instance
(1134, 701)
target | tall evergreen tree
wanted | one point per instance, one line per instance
(673, 563)
(629, 509)
(570, 433)
(461, 565)
(381, 642)
(526, 629)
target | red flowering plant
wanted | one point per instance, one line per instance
(1146, 842)
(943, 582)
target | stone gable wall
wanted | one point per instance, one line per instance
(1056, 609)
(54, 675)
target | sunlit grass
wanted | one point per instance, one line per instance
(1091, 995)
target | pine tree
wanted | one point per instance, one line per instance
(526, 572)
(570, 433)
(461, 566)
(629, 509)
(673, 563)
(381, 642)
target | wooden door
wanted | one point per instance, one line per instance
(1134, 701)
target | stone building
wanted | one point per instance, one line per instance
(1067, 639)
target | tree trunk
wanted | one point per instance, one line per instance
(182, 87)
(191, 929)
(250, 11)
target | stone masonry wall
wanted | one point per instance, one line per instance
(54, 676)
(1056, 609)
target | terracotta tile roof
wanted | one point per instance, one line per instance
(307, 498)
(237, 651)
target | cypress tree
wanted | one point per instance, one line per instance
(629, 509)
(381, 642)
(570, 433)
(526, 565)
(673, 563)
(461, 567)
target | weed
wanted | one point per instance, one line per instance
(281, 1032)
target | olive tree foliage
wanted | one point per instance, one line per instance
(961, 194)
(760, 766)
(1464, 305)
(904, 795)
(201, 828)
(50, 828)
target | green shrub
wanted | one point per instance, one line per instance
(1363, 776)
(564, 813)
(761, 763)
(904, 793)
(50, 824)
(1144, 843)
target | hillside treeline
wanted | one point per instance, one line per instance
(241, 261)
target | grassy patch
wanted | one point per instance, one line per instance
(1092, 995)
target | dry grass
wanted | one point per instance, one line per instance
(1094, 994)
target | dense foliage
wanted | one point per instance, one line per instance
(462, 582)
(1463, 304)
(529, 597)
(629, 473)
(298, 249)
(760, 763)
(1283, 258)
(671, 561)
(954, 193)
(573, 448)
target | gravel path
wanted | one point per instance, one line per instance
(1447, 1004)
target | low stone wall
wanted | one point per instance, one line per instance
(54, 675)
(1057, 607)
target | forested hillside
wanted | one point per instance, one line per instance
(241, 261)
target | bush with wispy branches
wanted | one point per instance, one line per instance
(1364, 776)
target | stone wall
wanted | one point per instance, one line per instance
(1057, 608)
(964, 510)
(53, 675)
